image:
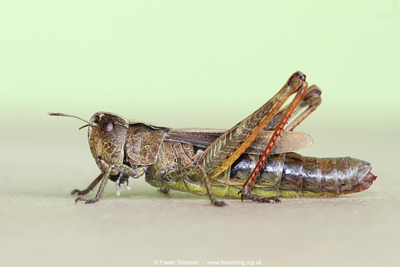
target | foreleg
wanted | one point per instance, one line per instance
(89, 188)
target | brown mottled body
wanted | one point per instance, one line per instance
(218, 162)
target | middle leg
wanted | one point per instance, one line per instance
(196, 173)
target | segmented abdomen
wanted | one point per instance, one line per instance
(291, 175)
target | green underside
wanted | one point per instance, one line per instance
(232, 191)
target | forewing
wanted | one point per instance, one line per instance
(197, 137)
(288, 142)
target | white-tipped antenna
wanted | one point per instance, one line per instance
(73, 116)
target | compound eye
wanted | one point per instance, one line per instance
(106, 126)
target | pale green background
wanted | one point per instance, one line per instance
(193, 64)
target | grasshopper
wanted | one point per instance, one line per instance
(253, 160)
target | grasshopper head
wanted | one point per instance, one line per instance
(107, 134)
